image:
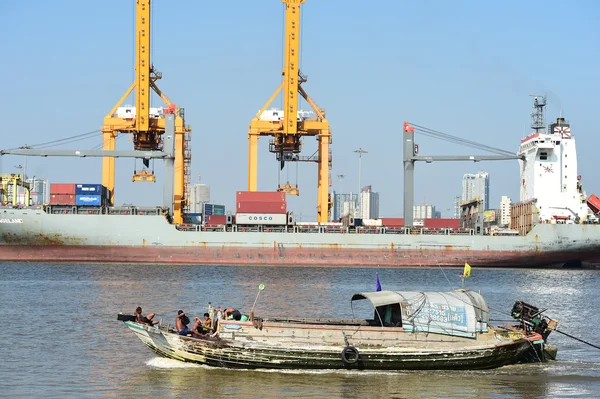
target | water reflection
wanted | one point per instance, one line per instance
(512, 382)
(84, 351)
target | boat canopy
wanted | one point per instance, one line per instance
(459, 312)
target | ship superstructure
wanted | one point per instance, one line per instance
(549, 175)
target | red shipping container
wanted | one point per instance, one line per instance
(215, 220)
(62, 199)
(392, 222)
(441, 223)
(61, 188)
(260, 196)
(261, 207)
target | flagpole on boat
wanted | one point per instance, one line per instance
(466, 273)
(260, 288)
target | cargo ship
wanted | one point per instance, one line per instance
(552, 225)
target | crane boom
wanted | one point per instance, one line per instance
(87, 153)
(410, 150)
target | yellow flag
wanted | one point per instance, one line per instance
(467, 271)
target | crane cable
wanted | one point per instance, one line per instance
(457, 140)
(61, 141)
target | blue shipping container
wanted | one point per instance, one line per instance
(91, 189)
(212, 209)
(192, 218)
(92, 200)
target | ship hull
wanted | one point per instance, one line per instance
(33, 235)
(273, 256)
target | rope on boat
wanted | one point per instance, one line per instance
(578, 339)
(564, 333)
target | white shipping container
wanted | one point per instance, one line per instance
(372, 222)
(272, 219)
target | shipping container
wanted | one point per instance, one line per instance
(438, 223)
(89, 200)
(192, 218)
(62, 199)
(261, 207)
(62, 188)
(276, 219)
(392, 222)
(260, 196)
(214, 209)
(372, 222)
(215, 220)
(90, 189)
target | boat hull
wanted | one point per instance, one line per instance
(240, 353)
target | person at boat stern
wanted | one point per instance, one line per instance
(233, 314)
(144, 319)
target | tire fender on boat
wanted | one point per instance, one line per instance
(350, 355)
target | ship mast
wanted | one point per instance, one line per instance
(538, 122)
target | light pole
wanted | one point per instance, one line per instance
(360, 151)
(341, 177)
(33, 192)
(25, 147)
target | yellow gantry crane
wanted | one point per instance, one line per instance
(289, 131)
(145, 124)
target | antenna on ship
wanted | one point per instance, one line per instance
(538, 122)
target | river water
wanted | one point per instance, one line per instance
(60, 336)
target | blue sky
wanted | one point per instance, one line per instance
(462, 67)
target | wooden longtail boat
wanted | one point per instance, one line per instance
(409, 331)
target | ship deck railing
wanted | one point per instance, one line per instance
(323, 229)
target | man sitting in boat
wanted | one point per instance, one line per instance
(206, 325)
(182, 322)
(233, 314)
(144, 319)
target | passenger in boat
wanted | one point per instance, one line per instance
(182, 322)
(144, 319)
(206, 325)
(232, 314)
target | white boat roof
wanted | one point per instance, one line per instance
(461, 297)
(379, 298)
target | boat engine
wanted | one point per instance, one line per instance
(532, 317)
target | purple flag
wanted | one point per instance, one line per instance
(377, 283)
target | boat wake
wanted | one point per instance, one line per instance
(164, 363)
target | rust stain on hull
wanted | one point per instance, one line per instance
(287, 256)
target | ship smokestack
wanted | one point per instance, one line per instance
(561, 126)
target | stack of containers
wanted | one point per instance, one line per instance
(62, 194)
(214, 215)
(261, 207)
(90, 195)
